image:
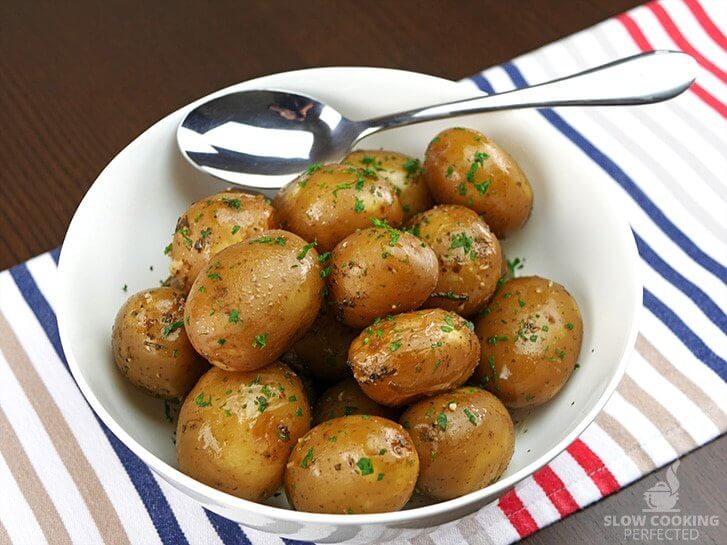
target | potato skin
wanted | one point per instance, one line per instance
(212, 224)
(324, 347)
(329, 202)
(345, 399)
(470, 257)
(380, 271)
(150, 346)
(402, 171)
(465, 440)
(353, 465)
(456, 176)
(236, 429)
(254, 301)
(411, 355)
(531, 336)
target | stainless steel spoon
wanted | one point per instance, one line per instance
(262, 138)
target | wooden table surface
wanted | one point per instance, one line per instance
(79, 80)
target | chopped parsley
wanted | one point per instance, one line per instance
(201, 401)
(326, 272)
(280, 241)
(234, 316)
(461, 240)
(260, 341)
(450, 170)
(221, 341)
(168, 249)
(379, 477)
(307, 459)
(232, 203)
(304, 251)
(471, 417)
(313, 168)
(442, 421)
(214, 276)
(359, 206)
(412, 167)
(395, 345)
(262, 403)
(365, 466)
(567, 326)
(172, 327)
(235, 229)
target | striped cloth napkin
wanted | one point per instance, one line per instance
(64, 478)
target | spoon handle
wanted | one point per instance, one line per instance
(641, 79)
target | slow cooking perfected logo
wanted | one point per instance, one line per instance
(661, 519)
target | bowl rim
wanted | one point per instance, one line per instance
(462, 503)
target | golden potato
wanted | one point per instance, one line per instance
(354, 465)
(465, 440)
(329, 202)
(150, 346)
(380, 271)
(324, 348)
(236, 429)
(531, 335)
(402, 171)
(254, 300)
(470, 258)
(463, 166)
(212, 224)
(404, 357)
(347, 398)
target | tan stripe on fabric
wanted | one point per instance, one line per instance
(30, 484)
(670, 372)
(4, 537)
(98, 502)
(626, 441)
(424, 539)
(659, 416)
(473, 532)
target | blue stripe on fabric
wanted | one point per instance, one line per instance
(686, 335)
(611, 168)
(55, 253)
(230, 532)
(701, 299)
(482, 82)
(149, 491)
(296, 542)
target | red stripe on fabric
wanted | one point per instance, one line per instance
(638, 36)
(707, 24)
(594, 467)
(556, 491)
(517, 514)
(679, 39)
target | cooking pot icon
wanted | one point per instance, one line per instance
(663, 496)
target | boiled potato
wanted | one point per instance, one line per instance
(531, 335)
(236, 429)
(463, 166)
(402, 358)
(470, 258)
(465, 440)
(404, 173)
(150, 346)
(324, 348)
(354, 465)
(254, 300)
(347, 398)
(212, 224)
(329, 202)
(380, 271)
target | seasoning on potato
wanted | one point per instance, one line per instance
(402, 171)
(470, 258)
(463, 166)
(324, 348)
(380, 271)
(465, 440)
(401, 358)
(150, 346)
(236, 429)
(254, 300)
(329, 202)
(346, 398)
(212, 224)
(353, 465)
(530, 335)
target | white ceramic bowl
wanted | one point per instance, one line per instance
(576, 236)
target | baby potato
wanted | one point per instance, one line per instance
(353, 465)
(236, 429)
(254, 300)
(465, 440)
(470, 258)
(324, 348)
(329, 202)
(530, 335)
(463, 166)
(212, 224)
(150, 346)
(402, 358)
(402, 171)
(347, 398)
(380, 271)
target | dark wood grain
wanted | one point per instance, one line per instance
(79, 80)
